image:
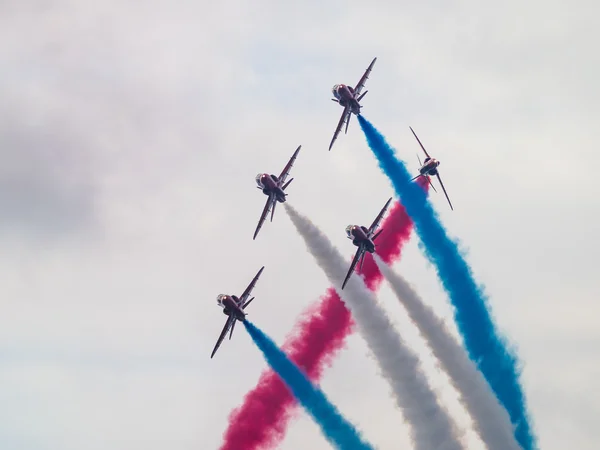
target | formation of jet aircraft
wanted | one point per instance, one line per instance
(274, 188)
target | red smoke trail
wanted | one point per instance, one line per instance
(262, 419)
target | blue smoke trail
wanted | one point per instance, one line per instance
(336, 429)
(485, 345)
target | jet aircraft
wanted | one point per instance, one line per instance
(274, 188)
(349, 98)
(430, 168)
(364, 239)
(233, 308)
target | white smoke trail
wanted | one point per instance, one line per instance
(431, 426)
(491, 420)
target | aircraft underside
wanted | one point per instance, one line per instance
(368, 247)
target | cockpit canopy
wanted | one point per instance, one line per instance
(220, 299)
(349, 229)
(258, 179)
(334, 89)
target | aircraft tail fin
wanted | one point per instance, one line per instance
(362, 258)
(287, 184)
(431, 184)
(273, 210)
(232, 327)
(361, 97)
(377, 234)
(247, 303)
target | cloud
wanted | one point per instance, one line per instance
(45, 184)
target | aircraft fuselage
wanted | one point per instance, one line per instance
(230, 306)
(429, 167)
(358, 234)
(270, 184)
(345, 96)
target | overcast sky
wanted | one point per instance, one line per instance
(130, 136)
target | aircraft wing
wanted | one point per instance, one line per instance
(361, 83)
(288, 167)
(427, 177)
(228, 324)
(345, 116)
(270, 201)
(377, 220)
(248, 290)
(419, 141)
(359, 252)
(444, 189)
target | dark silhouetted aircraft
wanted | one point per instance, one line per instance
(274, 186)
(233, 308)
(364, 239)
(349, 97)
(430, 168)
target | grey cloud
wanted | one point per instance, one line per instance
(45, 178)
(94, 94)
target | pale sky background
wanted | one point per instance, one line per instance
(130, 136)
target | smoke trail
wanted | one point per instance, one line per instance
(262, 419)
(483, 341)
(336, 429)
(491, 420)
(431, 425)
